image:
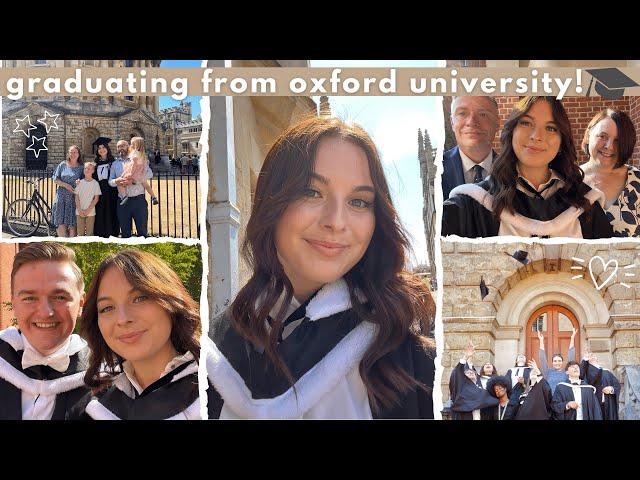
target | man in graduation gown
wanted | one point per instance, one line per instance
(576, 399)
(607, 385)
(42, 362)
(474, 121)
(468, 398)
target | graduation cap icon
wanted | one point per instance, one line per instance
(610, 82)
(100, 141)
(484, 290)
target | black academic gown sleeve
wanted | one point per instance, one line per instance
(467, 396)
(463, 216)
(600, 379)
(536, 405)
(594, 223)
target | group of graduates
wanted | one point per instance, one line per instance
(577, 391)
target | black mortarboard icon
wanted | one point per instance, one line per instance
(100, 141)
(484, 291)
(610, 82)
(521, 256)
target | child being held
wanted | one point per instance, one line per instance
(87, 194)
(136, 170)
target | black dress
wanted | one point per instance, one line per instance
(69, 384)
(319, 353)
(106, 221)
(173, 396)
(468, 214)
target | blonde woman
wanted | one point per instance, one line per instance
(136, 170)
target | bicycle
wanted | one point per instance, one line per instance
(24, 216)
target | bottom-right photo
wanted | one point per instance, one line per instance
(541, 331)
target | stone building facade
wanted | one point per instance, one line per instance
(426, 158)
(173, 120)
(78, 120)
(523, 297)
(242, 130)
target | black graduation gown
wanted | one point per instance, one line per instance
(467, 396)
(11, 396)
(518, 388)
(106, 221)
(303, 349)
(536, 404)
(600, 378)
(564, 394)
(163, 399)
(493, 413)
(464, 216)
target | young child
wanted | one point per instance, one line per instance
(136, 170)
(87, 194)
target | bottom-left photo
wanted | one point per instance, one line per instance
(101, 331)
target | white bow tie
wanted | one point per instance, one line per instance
(59, 362)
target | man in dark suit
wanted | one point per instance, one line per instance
(475, 122)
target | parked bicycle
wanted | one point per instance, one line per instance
(24, 216)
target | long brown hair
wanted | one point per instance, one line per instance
(398, 303)
(504, 175)
(153, 277)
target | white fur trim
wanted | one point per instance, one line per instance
(564, 225)
(310, 388)
(97, 411)
(14, 338)
(39, 387)
(581, 386)
(331, 299)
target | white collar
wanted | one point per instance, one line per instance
(468, 164)
(574, 385)
(126, 381)
(18, 342)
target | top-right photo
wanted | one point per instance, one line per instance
(542, 167)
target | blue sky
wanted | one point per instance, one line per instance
(393, 124)
(166, 102)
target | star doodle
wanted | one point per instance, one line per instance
(48, 124)
(21, 124)
(37, 150)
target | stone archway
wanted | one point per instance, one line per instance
(89, 136)
(539, 290)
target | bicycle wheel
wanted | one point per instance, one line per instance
(23, 218)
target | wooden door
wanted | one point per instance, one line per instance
(556, 324)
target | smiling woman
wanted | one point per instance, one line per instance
(329, 325)
(536, 187)
(143, 329)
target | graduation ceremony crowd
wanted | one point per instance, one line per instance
(103, 197)
(528, 391)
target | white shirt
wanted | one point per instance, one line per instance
(516, 372)
(468, 164)
(577, 395)
(41, 407)
(86, 190)
(546, 190)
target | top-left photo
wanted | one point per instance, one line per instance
(102, 166)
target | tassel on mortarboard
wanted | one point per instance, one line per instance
(484, 290)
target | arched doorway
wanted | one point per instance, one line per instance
(556, 323)
(89, 136)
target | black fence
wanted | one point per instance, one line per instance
(177, 215)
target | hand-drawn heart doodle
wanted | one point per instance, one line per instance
(605, 266)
